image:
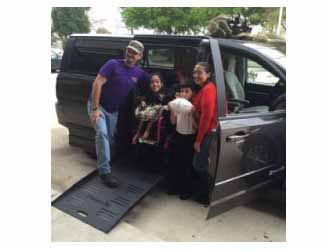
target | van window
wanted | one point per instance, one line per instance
(54, 55)
(89, 60)
(161, 57)
(259, 75)
(250, 87)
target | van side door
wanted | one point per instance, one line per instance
(248, 151)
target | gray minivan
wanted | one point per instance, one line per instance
(248, 155)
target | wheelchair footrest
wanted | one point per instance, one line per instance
(147, 141)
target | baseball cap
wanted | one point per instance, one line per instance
(136, 46)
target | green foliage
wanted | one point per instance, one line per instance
(267, 17)
(102, 30)
(187, 20)
(168, 20)
(68, 20)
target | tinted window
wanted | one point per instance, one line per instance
(88, 55)
(161, 57)
(90, 60)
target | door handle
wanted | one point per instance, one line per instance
(237, 137)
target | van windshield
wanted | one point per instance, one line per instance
(271, 52)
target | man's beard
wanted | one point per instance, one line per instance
(129, 61)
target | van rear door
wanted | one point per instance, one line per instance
(82, 59)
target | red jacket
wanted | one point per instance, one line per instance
(205, 103)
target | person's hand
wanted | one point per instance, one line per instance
(95, 116)
(197, 147)
(193, 109)
(143, 104)
(170, 105)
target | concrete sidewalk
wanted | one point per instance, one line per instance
(158, 217)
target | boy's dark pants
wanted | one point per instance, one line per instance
(181, 162)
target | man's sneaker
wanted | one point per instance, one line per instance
(109, 180)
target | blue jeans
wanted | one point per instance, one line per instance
(105, 129)
(201, 159)
(201, 164)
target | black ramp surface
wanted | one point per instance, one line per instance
(102, 207)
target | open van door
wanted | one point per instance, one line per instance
(245, 155)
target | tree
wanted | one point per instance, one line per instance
(68, 20)
(163, 20)
(267, 17)
(102, 30)
(187, 20)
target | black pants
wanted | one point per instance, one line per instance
(181, 162)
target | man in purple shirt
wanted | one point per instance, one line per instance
(111, 87)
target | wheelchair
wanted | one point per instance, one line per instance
(155, 151)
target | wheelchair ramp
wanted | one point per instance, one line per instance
(101, 207)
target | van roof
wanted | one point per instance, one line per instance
(263, 48)
(138, 35)
(99, 35)
(224, 41)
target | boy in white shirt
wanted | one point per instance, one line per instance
(182, 112)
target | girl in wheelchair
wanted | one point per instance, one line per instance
(150, 109)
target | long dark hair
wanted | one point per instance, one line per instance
(207, 67)
(161, 80)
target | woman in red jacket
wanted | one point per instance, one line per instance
(205, 103)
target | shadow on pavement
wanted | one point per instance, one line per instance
(274, 208)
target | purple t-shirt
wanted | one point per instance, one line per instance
(120, 80)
